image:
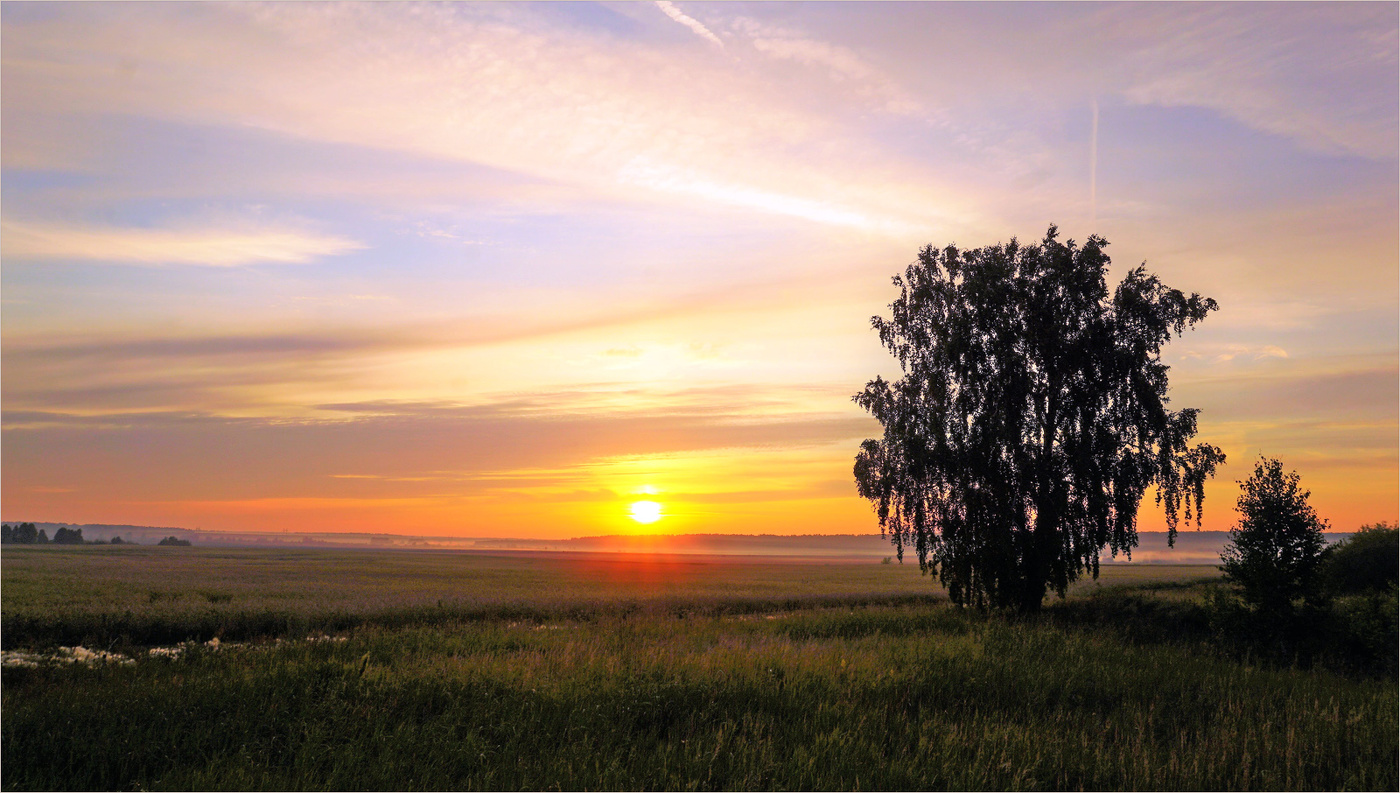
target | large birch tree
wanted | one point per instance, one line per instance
(1031, 418)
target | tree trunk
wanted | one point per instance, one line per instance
(1037, 569)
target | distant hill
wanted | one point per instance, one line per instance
(1191, 547)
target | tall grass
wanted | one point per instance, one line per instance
(726, 682)
(880, 698)
(110, 596)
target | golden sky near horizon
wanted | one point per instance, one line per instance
(508, 269)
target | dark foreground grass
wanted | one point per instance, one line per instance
(877, 698)
(745, 690)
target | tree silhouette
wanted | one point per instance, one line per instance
(1275, 551)
(1031, 417)
(1367, 560)
(23, 534)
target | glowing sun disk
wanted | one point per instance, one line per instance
(646, 511)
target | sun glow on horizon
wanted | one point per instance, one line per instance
(645, 511)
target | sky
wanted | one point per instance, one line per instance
(507, 269)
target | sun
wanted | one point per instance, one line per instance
(646, 511)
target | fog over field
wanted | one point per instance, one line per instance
(1190, 547)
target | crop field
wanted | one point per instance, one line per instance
(271, 669)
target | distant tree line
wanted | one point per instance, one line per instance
(29, 534)
(23, 534)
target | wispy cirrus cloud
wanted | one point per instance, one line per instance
(1214, 56)
(670, 10)
(840, 62)
(206, 247)
(569, 109)
(1242, 351)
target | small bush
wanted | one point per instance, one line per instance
(1276, 549)
(1367, 561)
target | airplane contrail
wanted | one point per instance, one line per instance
(700, 30)
(1094, 167)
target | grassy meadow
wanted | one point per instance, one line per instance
(434, 670)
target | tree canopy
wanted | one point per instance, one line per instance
(22, 534)
(1275, 552)
(1367, 560)
(1031, 418)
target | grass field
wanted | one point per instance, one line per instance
(452, 670)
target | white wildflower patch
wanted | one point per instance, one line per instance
(12, 659)
(755, 617)
(31, 659)
(324, 638)
(86, 657)
(530, 626)
(174, 652)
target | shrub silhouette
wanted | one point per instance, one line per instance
(1275, 551)
(1368, 560)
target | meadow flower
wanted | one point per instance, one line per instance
(86, 657)
(18, 658)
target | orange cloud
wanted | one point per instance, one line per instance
(32, 241)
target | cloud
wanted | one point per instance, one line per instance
(1234, 351)
(842, 63)
(1331, 390)
(542, 103)
(689, 182)
(209, 247)
(408, 450)
(284, 362)
(839, 60)
(670, 10)
(1281, 76)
